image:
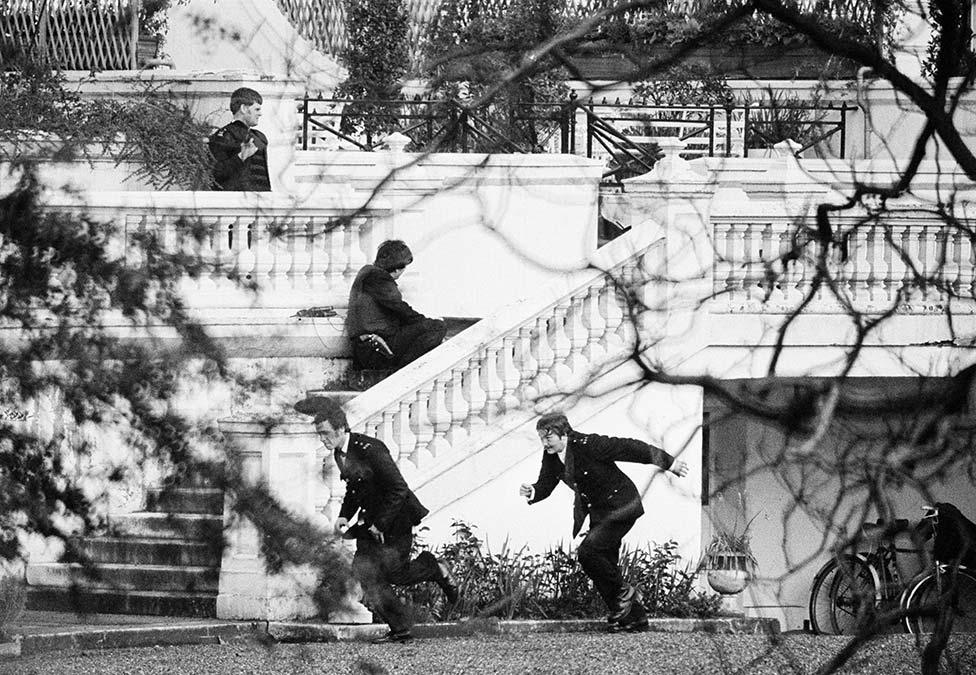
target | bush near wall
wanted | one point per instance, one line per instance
(517, 584)
(155, 131)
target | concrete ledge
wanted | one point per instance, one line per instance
(48, 639)
(311, 632)
(142, 636)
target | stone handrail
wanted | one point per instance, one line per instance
(299, 253)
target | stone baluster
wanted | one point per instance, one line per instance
(457, 407)
(734, 255)
(492, 385)
(406, 441)
(211, 251)
(751, 264)
(926, 259)
(339, 267)
(526, 364)
(613, 318)
(439, 416)
(594, 323)
(560, 372)
(320, 254)
(508, 371)
(300, 256)
(356, 257)
(950, 275)
(967, 266)
(474, 393)
(578, 337)
(722, 265)
(372, 426)
(877, 287)
(261, 246)
(385, 431)
(543, 383)
(421, 425)
(858, 266)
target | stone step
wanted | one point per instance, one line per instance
(147, 551)
(201, 500)
(195, 526)
(188, 579)
(199, 605)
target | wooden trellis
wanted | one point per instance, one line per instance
(322, 22)
(72, 34)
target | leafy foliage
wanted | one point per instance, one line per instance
(472, 49)
(684, 85)
(519, 585)
(153, 129)
(377, 59)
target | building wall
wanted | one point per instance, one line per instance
(790, 538)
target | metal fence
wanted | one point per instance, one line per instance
(71, 34)
(624, 134)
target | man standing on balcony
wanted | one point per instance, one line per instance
(386, 332)
(240, 151)
(385, 510)
(586, 463)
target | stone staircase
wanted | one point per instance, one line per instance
(164, 560)
(161, 561)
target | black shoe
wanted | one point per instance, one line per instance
(631, 624)
(625, 603)
(446, 582)
(398, 637)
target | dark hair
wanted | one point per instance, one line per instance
(393, 254)
(554, 421)
(244, 96)
(324, 410)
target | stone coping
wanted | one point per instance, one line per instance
(41, 637)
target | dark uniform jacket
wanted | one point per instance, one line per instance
(602, 490)
(375, 486)
(230, 171)
(376, 305)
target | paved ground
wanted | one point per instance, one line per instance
(534, 653)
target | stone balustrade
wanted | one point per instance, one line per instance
(766, 263)
(259, 250)
(491, 377)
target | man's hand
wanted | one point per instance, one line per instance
(679, 468)
(247, 148)
(341, 525)
(377, 535)
(527, 491)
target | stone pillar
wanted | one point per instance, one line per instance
(286, 456)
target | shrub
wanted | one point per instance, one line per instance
(13, 596)
(552, 585)
(154, 129)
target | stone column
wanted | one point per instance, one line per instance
(287, 456)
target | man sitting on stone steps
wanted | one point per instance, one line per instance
(386, 511)
(386, 332)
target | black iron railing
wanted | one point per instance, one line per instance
(625, 134)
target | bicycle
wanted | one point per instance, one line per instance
(951, 582)
(850, 589)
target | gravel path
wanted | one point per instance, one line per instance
(656, 653)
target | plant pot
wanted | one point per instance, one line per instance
(728, 573)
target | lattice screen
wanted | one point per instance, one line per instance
(74, 34)
(322, 22)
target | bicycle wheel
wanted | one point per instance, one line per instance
(927, 595)
(855, 593)
(842, 592)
